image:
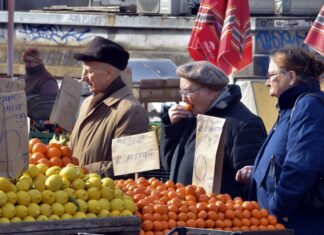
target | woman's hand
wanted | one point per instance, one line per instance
(177, 112)
(244, 174)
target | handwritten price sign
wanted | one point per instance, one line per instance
(13, 134)
(208, 163)
(136, 153)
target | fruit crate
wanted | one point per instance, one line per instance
(45, 137)
(160, 174)
(122, 225)
(196, 231)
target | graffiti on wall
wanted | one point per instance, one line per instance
(266, 41)
(56, 34)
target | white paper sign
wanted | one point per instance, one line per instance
(208, 163)
(65, 109)
(135, 153)
(14, 151)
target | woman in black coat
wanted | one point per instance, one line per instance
(206, 89)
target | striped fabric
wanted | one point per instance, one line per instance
(222, 34)
(315, 37)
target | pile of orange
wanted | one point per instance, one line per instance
(163, 206)
(52, 154)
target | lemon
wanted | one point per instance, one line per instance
(33, 210)
(118, 193)
(12, 197)
(27, 179)
(66, 183)
(81, 194)
(94, 193)
(114, 213)
(41, 178)
(66, 216)
(70, 208)
(22, 186)
(117, 204)
(107, 193)
(94, 175)
(130, 205)
(42, 218)
(8, 210)
(21, 211)
(13, 188)
(61, 196)
(54, 182)
(93, 206)
(108, 182)
(5, 184)
(103, 213)
(42, 167)
(93, 182)
(4, 220)
(39, 185)
(83, 206)
(79, 215)
(23, 198)
(70, 173)
(53, 170)
(35, 195)
(3, 198)
(58, 209)
(104, 204)
(48, 197)
(33, 170)
(78, 184)
(91, 215)
(126, 212)
(70, 192)
(29, 218)
(15, 220)
(54, 217)
(46, 209)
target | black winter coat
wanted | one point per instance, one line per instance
(244, 135)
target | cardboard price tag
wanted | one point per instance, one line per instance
(66, 106)
(135, 153)
(208, 160)
(13, 134)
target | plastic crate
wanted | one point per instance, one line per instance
(196, 231)
(43, 136)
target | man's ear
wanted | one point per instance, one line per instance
(292, 77)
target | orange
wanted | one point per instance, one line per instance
(149, 233)
(191, 215)
(56, 145)
(56, 161)
(183, 209)
(201, 206)
(280, 226)
(202, 214)
(147, 225)
(161, 209)
(209, 223)
(182, 216)
(212, 215)
(272, 219)
(74, 161)
(228, 223)
(39, 147)
(219, 223)
(181, 224)
(264, 221)
(190, 190)
(200, 223)
(147, 216)
(45, 161)
(173, 208)
(169, 184)
(157, 226)
(256, 213)
(157, 217)
(66, 151)
(264, 213)
(37, 156)
(172, 223)
(172, 215)
(66, 160)
(247, 205)
(246, 214)
(237, 222)
(254, 221)
(53, 152)
(191, 223)
(221, 206)
(147, 209)
(32, 142)
(246, 222)
(229, 214)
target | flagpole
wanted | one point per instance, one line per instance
(10, 50)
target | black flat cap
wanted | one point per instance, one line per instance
(104, 50)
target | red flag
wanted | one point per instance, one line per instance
(315, 37)
(222, 34)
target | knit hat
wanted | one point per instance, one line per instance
(205, 73)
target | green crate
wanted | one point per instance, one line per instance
(45, 137)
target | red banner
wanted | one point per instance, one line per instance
(222, 34)
(315, 37)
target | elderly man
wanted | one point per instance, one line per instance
(205, 88)
(111, 112)
(38, 80)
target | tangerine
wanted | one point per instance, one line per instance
(66, 151)
(53, 152)
(39, 147)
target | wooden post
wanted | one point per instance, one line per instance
(10, 50)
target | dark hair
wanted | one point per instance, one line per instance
(302, 62)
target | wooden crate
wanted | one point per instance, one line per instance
(123, 225)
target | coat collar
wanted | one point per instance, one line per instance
(117, 96)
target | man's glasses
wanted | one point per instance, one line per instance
(187, 93)
(270, 75)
